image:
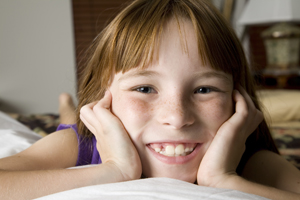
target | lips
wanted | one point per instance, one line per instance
(174, 153)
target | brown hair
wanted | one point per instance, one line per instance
(128, 42)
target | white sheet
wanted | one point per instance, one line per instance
(15, 137)
(151, 188)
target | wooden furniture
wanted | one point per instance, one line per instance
(90, 17)
(270, 78)
(267, 78)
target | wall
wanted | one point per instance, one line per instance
(37, 59)
(90, 17)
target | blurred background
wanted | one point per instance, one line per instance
(42, 46)
(37, 55)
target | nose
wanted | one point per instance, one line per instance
(176, 112)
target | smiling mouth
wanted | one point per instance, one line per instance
(172, 149)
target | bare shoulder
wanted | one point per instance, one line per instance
(271, 169)
(57, 150)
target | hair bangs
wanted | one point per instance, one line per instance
(137, 34)
(218, 45)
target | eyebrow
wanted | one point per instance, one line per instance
(200, 75)
(221, 75)
(138, 73)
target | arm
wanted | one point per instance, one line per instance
(40, 170)
(271, 169)
(217, 168)
(34, 184)
(241, 184)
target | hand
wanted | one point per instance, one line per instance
(225, 152)
(113, 142)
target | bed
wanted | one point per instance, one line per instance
(282, 111)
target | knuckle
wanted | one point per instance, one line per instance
(97, 109)
(83, 109)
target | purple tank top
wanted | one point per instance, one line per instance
(87, 148)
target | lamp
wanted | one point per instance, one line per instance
(282, 41)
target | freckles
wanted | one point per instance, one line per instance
(129, 108)
(138, 106)
(171, 105)
(213, 114)
(218, 110)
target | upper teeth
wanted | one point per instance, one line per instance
(170, 150)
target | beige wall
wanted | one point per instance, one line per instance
(37, 60)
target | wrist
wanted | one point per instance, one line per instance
(120, 175)
(107, 173)
(217, 180)
(230, 181)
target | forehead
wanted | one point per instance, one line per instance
(187, 36)
(179, 37)
(177, 48)
(176, 36)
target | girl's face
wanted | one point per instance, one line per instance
(173, 109)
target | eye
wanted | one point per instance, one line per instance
(204, 90)
(145, 89)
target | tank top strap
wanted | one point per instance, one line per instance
(87, 148)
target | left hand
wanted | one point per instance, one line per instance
(113, 142)
(225, 151)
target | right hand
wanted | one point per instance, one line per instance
(225, 151)
(113, 142)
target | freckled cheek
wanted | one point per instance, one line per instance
(133, 112)
(216, 112)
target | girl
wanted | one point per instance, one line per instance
(177, 101)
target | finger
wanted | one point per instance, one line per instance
(103, 106)
(105, 102)
(103, 113)
(238, 120)
(91, 105)
(87, 124)
(241, 106)
(87, 112)
(246, 114)
(89, 118)
(247, 97)
(257, 114)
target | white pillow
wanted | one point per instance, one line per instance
(14, 136)
(151, 188)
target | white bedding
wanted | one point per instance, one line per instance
(15, 137)
(151, 188)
